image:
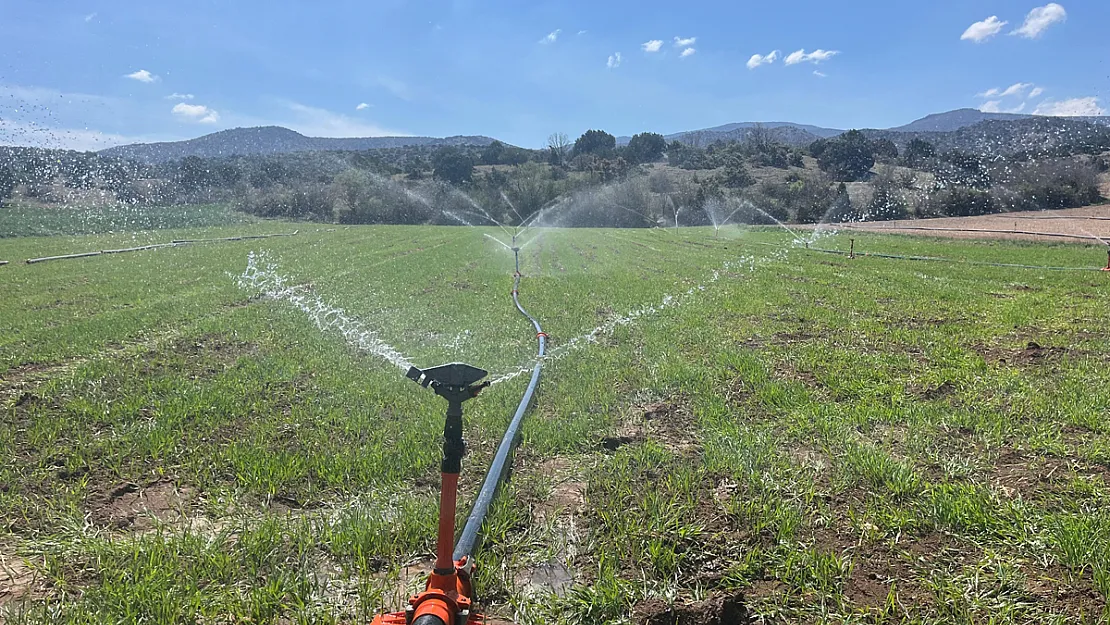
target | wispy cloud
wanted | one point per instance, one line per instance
(90, 17)
(362, 106)
(1039, 19)
(995, 106)
(142, 76)
(552, 36)
(687, 52)
(614, 60)
(762, 59)
(652, 46)
(179, 96)
(1016, 89)
(318, 122)
(681, 42)
(820, 74)
(815, 57)
(984, 30)
(583, 32)
(198, 113)
(1036, 92)
(1071, 108)
(83, 139)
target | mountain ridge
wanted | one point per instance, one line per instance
(265, 140)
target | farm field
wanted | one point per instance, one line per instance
(216, 432)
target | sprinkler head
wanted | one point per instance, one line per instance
(515, 249)
(455, 374)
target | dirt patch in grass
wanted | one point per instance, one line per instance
(18, 582)
(720, 609)
(129, 506)
(1038, 477)
(1031, 355)
(1060, 591)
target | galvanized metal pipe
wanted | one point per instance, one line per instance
(503, 460)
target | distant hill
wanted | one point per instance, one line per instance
(804, 134)
(954, 120)
(264, 140)
(1034, 135)
(784, 132)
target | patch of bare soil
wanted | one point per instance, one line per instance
(716, 610)
(129, 506)
(18, 582)
(1033, 477)
(1032, 354)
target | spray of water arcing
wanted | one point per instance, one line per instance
(261, 275)
(499, 241)
(747, 263)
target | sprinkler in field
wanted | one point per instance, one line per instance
(447, 598)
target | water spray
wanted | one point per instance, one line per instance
(447, 598)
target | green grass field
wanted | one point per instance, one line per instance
(24, 219)
(833, 440)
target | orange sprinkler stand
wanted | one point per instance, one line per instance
(1107, 267)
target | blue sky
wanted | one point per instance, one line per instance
(92, 74)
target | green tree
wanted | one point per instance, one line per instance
(884, 148)
(735, 175)
(646, 147)
(493, 153)
(597, 142)
(847, 157)
(917, 152)
(452, 165)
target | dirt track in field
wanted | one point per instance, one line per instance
(1074, 225)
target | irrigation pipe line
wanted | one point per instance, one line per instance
(940, 259)
(4, 262)
(502, 461)
(174, 243)
(990, 231)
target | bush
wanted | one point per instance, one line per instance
(846, 158)
(962, 202)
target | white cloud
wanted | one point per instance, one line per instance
(762, 59)
(179, 96)
(981, 31)
(90, 17)
(995, 106)
(815, 57)
(552, 36)
(1036, 92)
(679, 42)
(195, 113)
(1071, 108)
(652, 46)
(687, 52)
(142, 76)
(1039, 19)
(614, 60)
(1016, 89)
(362, 106)
(318, 122)
(820, 74)
(583, 32)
